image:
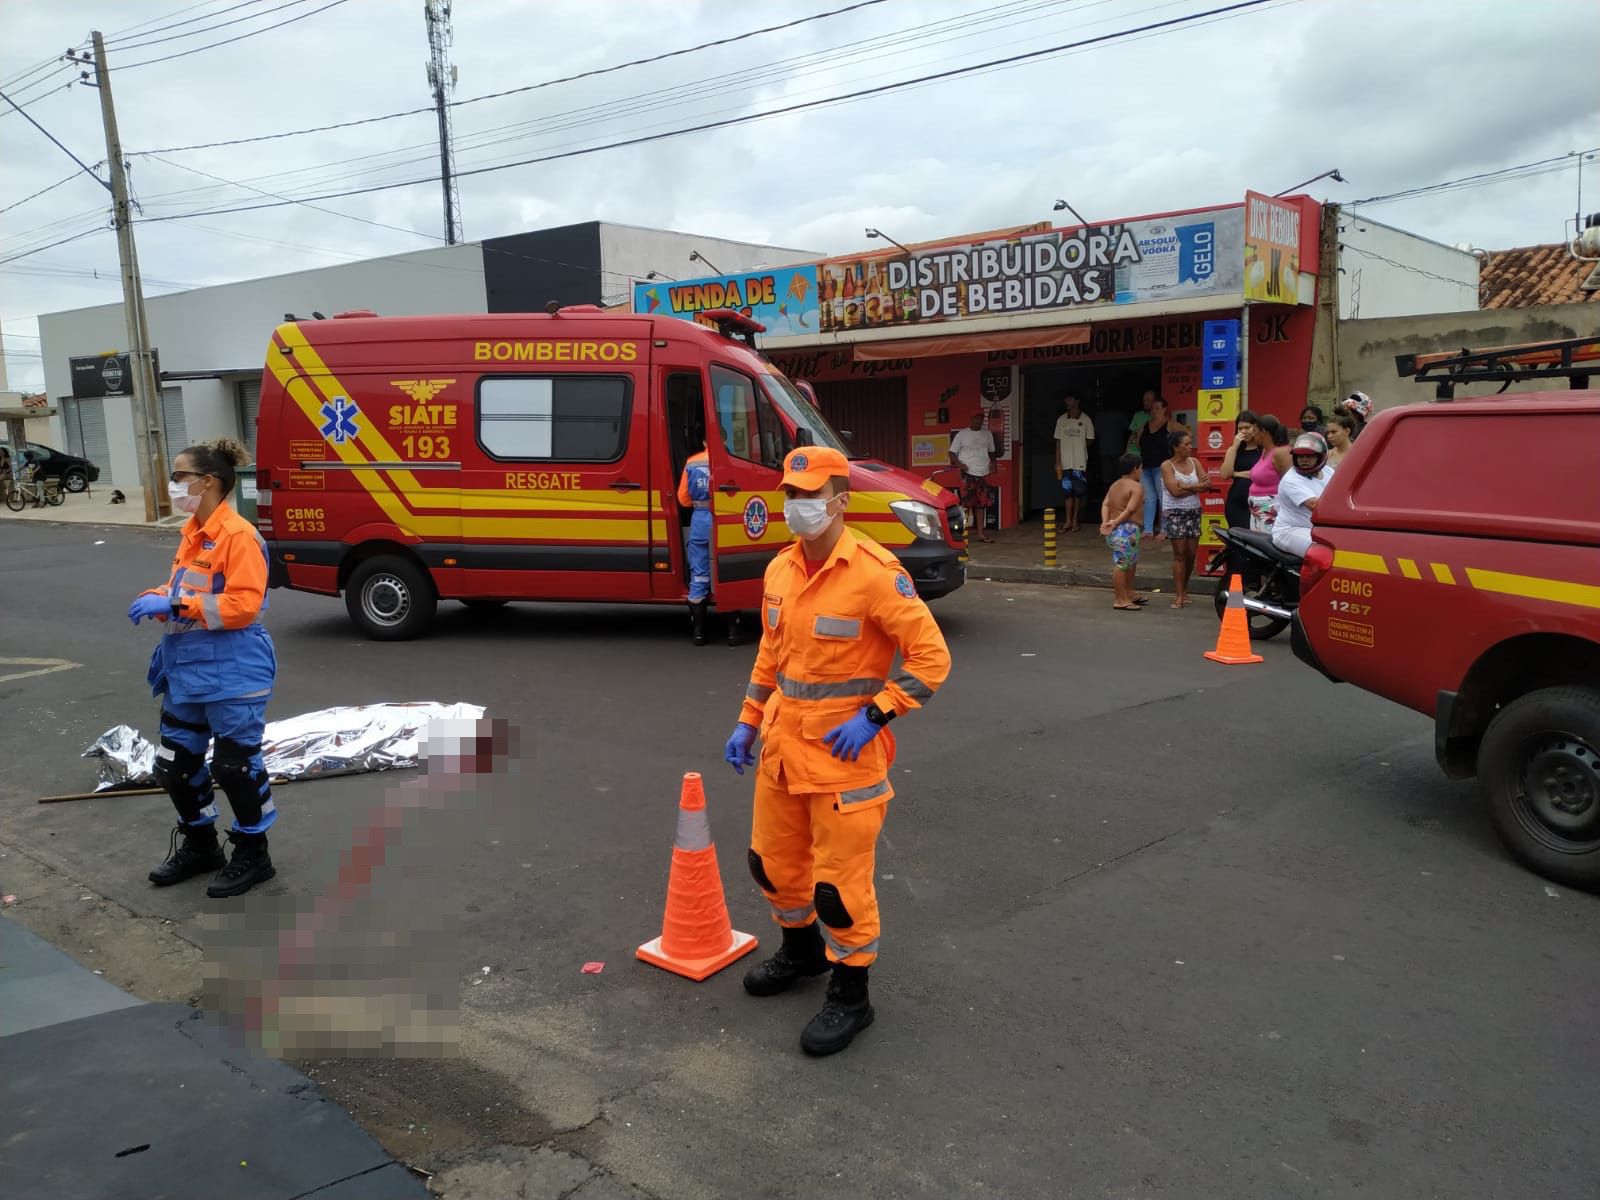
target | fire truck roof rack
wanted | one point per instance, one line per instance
(1572, 359)
(731, 323)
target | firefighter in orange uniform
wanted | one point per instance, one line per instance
(836, 610)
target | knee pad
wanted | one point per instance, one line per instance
(830, 907)
(758, 872)
(176, 767)
(231, 765)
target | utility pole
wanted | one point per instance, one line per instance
(146, 395)
(442, 79)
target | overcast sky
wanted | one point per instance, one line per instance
(1396, 95)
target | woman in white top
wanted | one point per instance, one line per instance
(1298, 494)
(1183, 478)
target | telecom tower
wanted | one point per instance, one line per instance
(442, 79)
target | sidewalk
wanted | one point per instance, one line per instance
(103, 1095)
(1017, 556)
(92, 508)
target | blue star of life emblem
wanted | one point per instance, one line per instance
(340, 415)
(797, 463)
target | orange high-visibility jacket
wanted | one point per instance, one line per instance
(215, 647)
(827, 646)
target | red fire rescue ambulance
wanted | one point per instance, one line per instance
(487, 458)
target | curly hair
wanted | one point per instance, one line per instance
(220, 457)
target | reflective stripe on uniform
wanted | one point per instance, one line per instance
(871, 792)
(795, 689)
(211, 611)
(694, 830)
(912, 686)
(758, 693)
(803, 913)
(705, 504)
(841, 949)
(837, 627)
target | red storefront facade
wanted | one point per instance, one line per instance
(910, 342)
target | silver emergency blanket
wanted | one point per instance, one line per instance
(332, 741)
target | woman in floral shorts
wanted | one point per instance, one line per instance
(1183, 478)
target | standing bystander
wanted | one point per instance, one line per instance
(1155, 447)
(972, 449)
(1074, 432)
(1119, 523)
(1183, 478)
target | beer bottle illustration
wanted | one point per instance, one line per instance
(852, 305)
(872, 307)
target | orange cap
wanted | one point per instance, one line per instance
(809, 467)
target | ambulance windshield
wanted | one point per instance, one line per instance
(811, 427)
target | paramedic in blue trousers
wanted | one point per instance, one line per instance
(214, 668)
(694, 492)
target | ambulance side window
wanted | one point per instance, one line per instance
(749, 424)
(565, 418)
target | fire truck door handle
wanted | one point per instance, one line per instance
(730, 488)
(624, 485)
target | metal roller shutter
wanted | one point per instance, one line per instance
(874, 411)
(92, 437)
(249, 407)
(173, 421)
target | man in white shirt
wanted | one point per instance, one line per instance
(972, 449)
(1298, 493)
(1074, 432)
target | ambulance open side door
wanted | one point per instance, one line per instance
(747, 443)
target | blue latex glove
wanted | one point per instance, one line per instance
(738, 752)
(149, 606)
(849, 739)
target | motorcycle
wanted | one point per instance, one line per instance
(1271, 581)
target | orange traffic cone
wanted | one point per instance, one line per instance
(1233, 639)
(697, 939)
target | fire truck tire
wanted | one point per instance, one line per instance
(1540, 763)
(390, 598)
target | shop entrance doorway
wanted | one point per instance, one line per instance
(874, 411)
(1103, 389)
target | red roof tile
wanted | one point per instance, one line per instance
(1532, 275)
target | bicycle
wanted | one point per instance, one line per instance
(41, 491)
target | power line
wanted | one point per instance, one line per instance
(42, 191)
(209, 28)
(229, 41)
(1478, 180)
(706, 126)
(122, 42)
(1402, 266)
(86, 168)
(41, 249)
(411, 112)
(932, 33)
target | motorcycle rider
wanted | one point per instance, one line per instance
(1298, 493)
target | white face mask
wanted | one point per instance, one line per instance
(806, 518)
(178, 493)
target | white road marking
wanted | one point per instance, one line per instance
(40, 666)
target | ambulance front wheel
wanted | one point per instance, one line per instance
(391, 599)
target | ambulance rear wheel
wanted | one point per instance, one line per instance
(1540, 762)
(391, 599)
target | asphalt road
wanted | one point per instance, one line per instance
(1151, 926)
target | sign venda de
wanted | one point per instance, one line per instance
(783, 299)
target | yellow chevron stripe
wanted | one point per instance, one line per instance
(1531, 587)
(1408, 568)
(1441, 572)
(1352, 560)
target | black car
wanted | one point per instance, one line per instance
(75, 473)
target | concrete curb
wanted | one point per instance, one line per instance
(1076, 577)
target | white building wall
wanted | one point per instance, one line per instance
(628, 250)
(1388, 272)
(225, 329)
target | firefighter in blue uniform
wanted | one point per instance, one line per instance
(694, 493)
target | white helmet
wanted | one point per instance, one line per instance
(1312, 444)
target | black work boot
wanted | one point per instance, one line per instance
(697, 623)
(846, 1013)
(733, 630)
(198, 854)
(249, 866)
(800, 957)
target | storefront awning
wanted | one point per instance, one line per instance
(1057, 327)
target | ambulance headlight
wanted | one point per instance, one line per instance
(922, 519)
